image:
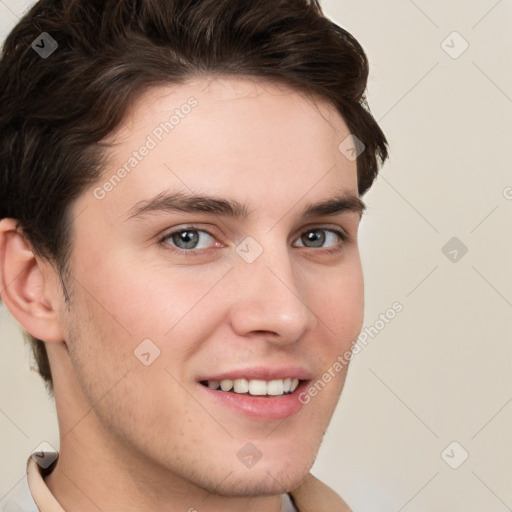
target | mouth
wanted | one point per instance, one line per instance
(257, 399)
(254, 387)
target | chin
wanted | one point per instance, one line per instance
(283, 472)
(265, 482)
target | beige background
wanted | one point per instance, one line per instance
(440, 371)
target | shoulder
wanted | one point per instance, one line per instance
(313, 494)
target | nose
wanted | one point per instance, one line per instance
(270, 299)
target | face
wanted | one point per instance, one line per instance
(164, 300)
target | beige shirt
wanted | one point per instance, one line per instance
(33, 495)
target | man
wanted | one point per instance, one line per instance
(181, 195)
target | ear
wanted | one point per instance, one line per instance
(28, 287)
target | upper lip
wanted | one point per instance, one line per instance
(263, 373)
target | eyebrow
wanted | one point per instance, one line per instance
(189, 203)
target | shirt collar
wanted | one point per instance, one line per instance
(43, 498)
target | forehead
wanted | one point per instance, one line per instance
(247, 137)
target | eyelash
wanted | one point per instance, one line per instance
(343, 236)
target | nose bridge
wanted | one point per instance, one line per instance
(271, 297)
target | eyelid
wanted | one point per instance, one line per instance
(328, 227)
(185, 227)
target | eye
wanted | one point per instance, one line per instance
(193, 242)
(188, 239)
(316, 238)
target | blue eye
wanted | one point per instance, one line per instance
(317, 241)
(192, 241)
(186, 239)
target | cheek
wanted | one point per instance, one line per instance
(135, 302)
(338, 302)
(128, 302)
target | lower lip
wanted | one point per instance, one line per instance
(266, 408)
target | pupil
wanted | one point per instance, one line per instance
(189, 238)
(313, 236)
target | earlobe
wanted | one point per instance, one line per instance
(27, 285)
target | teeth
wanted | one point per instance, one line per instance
(213, 384)
(256, 387)
(226, 385)
(241, 385)
(275, 387)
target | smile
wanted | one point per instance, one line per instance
(255, 387)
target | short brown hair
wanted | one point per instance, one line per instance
(55, 111)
